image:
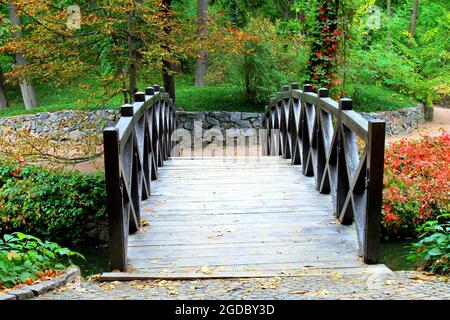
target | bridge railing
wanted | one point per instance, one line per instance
(134, 149)
(342, 150)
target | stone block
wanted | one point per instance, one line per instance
(22, 294)
(7, 297)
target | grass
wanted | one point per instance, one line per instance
(224, 97)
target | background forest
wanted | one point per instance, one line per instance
(221, 55)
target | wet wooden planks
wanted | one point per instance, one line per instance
(241, 217)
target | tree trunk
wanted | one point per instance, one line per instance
(168, 78)
(388, 35)
(202, 60)
(28, 94)
(3, 97)
(132, 57)
(412, 24)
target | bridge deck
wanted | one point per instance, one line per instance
(238, 217)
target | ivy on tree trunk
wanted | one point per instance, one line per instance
(321, 69)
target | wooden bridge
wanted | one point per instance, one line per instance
(287, 208)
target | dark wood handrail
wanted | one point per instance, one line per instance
(322, 135)
(134, 149)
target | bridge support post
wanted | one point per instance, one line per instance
(116, 222)
(374, 183)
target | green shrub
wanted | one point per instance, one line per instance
(24, 257)
(370, 98)
(49, 204)
(433, 248)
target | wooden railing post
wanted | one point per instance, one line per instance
(342, 178)
(285, 116)
(274, 133)
(305, 143)
(294, 124)
(374, 183)
(118, 232)
(319, 146)
(157, 114)
(150, 91)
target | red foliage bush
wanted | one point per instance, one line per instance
(416, 184)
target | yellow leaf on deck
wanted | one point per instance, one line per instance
(206, 270)
(325, 292)
(338, 275)
(298, 292)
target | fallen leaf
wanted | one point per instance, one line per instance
(298, 292)
(325, 292)
(418, 279)
(206, 270)
(337, 275)
(172, 293)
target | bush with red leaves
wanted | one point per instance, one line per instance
(416, 184)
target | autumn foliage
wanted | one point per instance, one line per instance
(417, 184)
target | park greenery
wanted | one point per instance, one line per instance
(383, 54)
(215, 55)
(25, 258)
(52, 204)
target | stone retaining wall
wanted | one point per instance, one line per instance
(401, 121)
(84, 122)
(223, 119)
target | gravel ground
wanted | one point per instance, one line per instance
(323, 285)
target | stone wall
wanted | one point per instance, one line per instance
(76, 123)
(401, 121)
(81, 122)
(96, 230)
(223, 119)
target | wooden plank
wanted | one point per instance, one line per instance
(325, 237)
(242, 204)
(225, 219)
(248, 267)
(229, 252)
(285, 243)
(304, 272)
(194, 197)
